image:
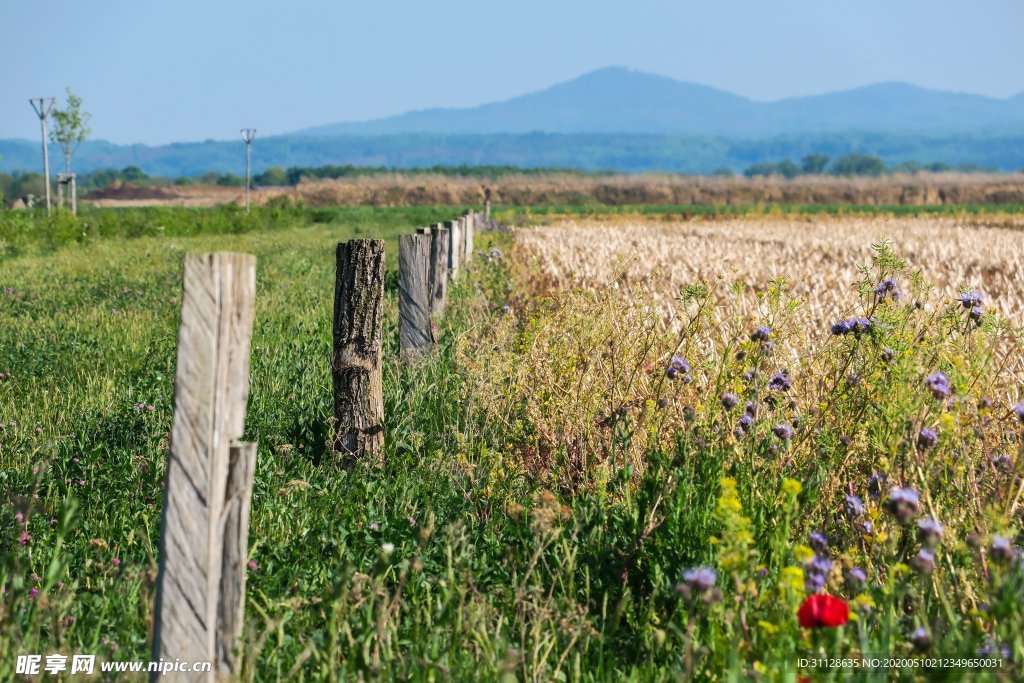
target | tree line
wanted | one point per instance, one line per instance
(851, 165)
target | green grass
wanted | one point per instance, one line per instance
(463, 558)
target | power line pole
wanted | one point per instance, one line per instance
(248, 134)
(43, 106)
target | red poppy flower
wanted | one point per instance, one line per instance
(823, 610)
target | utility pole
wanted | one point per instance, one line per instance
(43, 106)
(248, 134)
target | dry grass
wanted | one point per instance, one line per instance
(819, 257)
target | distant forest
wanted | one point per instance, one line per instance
(21, 184)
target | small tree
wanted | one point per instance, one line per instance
(814, 163)
(71, 127)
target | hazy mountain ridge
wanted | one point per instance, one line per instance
(613, 119)
(619, 100)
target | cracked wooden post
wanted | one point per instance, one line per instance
(356, 362)
(414, 330)
(199, 599)
(438, 271)
(454, 251)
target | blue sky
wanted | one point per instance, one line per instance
(157, 72)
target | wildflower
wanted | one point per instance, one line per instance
(746, 422)
(822, 610)
(252, 565)
(929, 532)
(976, 314)
(116, 561)
(920, 639)
(792, 486)
(924, 561)
(803, 554)
(792, 579)
(783, 431)
(888, 288)
(677, 366)
(993, 648)
(875, 483)
(697, 582)
(780, 382)
(888, 355)
(751, 409)
(763, 333)
(1000, 549)
(1002, 462)
(938, 384)
(411, 520)
(853, 506)
(841, 328)
(856, 578)
(729, 400)
(33, 592)
(816, 574)
(903, 503)
(387, 548)
(19, 517)
(1018, 410)
(819, 542)
(24, 538)
(927, 438)
(663, 403)
(972, 299)
(53, 522)
(859, 325)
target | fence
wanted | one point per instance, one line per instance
(200, 598)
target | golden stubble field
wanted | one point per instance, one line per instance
(819, 256)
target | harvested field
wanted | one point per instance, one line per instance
(823, 253)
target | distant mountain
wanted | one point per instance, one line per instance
(620, 100)
(614, 119)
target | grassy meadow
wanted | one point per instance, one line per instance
(601, 475)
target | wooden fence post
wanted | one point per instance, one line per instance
(438, 271)
(454, 247)
(470, 221)
(414, 332)
(356, 363)
(205, 514)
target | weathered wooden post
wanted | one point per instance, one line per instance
(414, 332)
(454, 247)
(470, 222)
(356, 363)
(203, 539)
(438, 271)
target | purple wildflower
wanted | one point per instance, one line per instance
(677, 366)
(903, 503)
(699, 583)
(32, 593)
(783, 431)
(780, 382)
(929, 531)
(853, 506)
(1018, 410)
(927, 439)
(888, 355)
(875, 483)
(856, 578)
(762, 334)
(818, 542)
(888, 288)
(938, 384)
(729, 400)
(972, 299)
(816, 574)
(1000, 550)
(924, 561)
(252, 565)
(746, 422)
(1002, 462)
(920, 639)
(976, 314)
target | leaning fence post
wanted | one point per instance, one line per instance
(198, 616)
(454, 247)
(414, 331)
(356, 362)
(438, 271)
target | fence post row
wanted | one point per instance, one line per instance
(454, 251)
(356, 362)
(204, 527)
(438, 271)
